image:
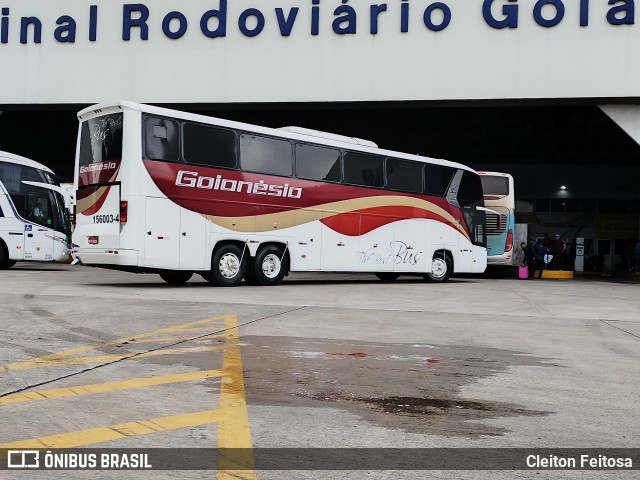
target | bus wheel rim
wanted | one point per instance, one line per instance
(438, 268)
(271, 266)
(229, 265)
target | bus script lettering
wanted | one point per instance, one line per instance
(399, 254)
(97, 167)
(195, 180)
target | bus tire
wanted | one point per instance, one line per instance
(388, 276)
(176, 277)
(441, 268)
(270, 265)
(228, 265)
(5, 262)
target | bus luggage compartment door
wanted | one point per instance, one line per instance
(161, 237)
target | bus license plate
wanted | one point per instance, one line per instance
(93, 240)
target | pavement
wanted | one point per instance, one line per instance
(94, 358)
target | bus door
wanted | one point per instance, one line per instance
(38, 235)
(174, 237)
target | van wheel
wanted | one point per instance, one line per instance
(388, 276)
(441, 269)
(176, 277)
(270, 266)
(228, 266)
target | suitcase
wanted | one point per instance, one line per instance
(523, 272)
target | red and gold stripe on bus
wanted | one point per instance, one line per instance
(371, 213)
(229, 198)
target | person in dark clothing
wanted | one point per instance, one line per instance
(529, 258)
(557, 249)
(539, 252)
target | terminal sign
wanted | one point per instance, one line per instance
(251, 22)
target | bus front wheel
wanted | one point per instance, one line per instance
(441, 269)
(176, 277)
(5, 262)
(228, 266)
(269, 266)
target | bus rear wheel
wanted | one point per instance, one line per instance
(441, 269)
(269, 267)
(176, 277)
(388, 276)
(228, 266)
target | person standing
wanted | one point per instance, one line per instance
(539, 252)
(529, 258)
(558, 248)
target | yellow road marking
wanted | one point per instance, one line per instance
(173, 339)
(233, 429)
(107, 386)
(112, 358)
(233, 425)
(54, 358)
(114, 432)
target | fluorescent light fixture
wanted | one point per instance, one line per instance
(563, 187)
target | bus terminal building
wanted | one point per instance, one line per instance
(545, 90)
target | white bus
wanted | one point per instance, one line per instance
(34, 220)
(498, 194)
(168, 192)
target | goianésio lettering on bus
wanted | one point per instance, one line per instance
(194, 180)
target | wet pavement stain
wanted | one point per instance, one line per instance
(412, 387)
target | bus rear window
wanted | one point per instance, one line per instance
(101, 139)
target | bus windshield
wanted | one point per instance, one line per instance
(495, 187)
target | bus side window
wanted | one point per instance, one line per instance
(211, 146)
(265, 155)
(363, 169)
(437, 179)
(161, 139)
(317, 163)
(404, 175)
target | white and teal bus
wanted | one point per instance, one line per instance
(498, 195)
(34, 220)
